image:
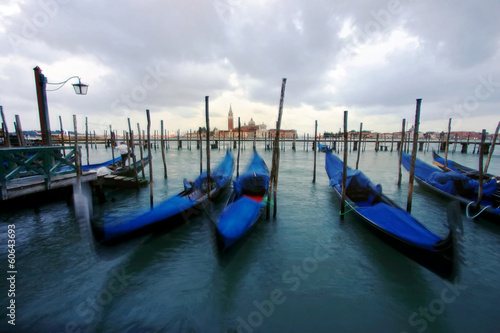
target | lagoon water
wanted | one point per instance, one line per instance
(305, 271)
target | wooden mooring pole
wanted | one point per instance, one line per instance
(413, 156)
(20, 134)
(359, 144)
(140, 150)
(163, 152)
(447, 145)
(87, 139)
(77, 158)
(239, 148)
(6, 131)
(490, 153)
(207, 116)
(401, 151)
(344, 170)
(200, 145)
(315, 149)
(273, 181)
(62, 135)
(481, 175)
(149, 158)
(112, 139)
(132, 149)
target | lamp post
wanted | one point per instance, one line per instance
(43, 110)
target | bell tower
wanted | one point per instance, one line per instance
(230, 124)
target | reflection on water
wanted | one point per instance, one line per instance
(306, 270)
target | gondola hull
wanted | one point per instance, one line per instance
(442, 184)
(173, 211)
(398, 228)
(245, 205)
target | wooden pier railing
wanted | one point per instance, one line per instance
(34, 165)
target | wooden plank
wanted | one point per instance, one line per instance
(26, 188)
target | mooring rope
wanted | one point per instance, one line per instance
(473, 217)
(350, 210)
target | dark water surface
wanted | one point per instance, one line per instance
(305, 271)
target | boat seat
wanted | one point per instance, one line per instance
(357, 194)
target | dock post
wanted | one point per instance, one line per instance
(112, 139)
(273, 181)
(22, 142)
(315, 149)
(207, 116)
(149, 158)
(490, 153)
(413, 156)
(77, 158)
(359, 140)
(6, 131)
(140, 150)
(162, 145)
(62, 135)
(400, 148)
(132, 147)
(446, 145)
(87, 139)
(200, 147)
(481, 175)
(344, 170)
(239, 148)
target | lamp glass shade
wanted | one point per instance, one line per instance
(80, 88)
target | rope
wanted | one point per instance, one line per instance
(350, 210)
(473, 217)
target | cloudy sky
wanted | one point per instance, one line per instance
(372, 58)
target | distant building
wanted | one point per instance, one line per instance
(286, 134)
(249, 130)
(230, 123)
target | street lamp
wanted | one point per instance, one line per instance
(43, 110)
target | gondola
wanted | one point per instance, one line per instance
(455, 185)
(245, 204)
(173, 211)
(128, 171)
(454, 166)
(323, 148)
(111, 167)
(105, 164)
(390, 222)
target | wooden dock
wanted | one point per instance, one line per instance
(37, 184)
(114, 181)
(44, 173)
(30, 170)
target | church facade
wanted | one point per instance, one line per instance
(249, 130)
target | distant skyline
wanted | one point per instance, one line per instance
(372, 58)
